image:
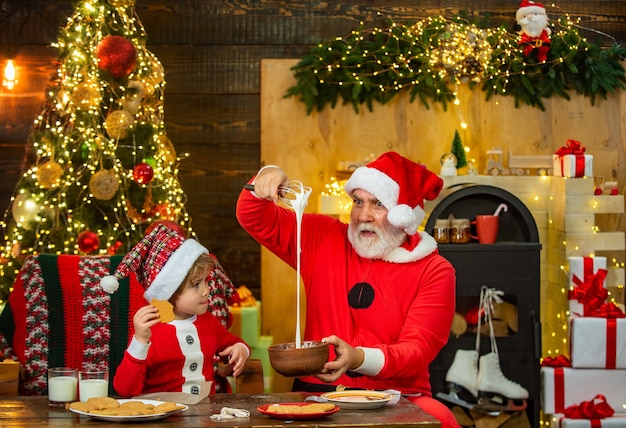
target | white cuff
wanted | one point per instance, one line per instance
(138, 349)
(372, 363)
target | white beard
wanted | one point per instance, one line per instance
(534, 25)
(387, 239)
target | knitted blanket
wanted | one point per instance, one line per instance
(57, 315)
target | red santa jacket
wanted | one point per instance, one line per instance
(179, 358)
(403, 306)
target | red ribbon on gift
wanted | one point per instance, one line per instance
(558, 361)
(590, 291)
(596, 408)
(578, 150)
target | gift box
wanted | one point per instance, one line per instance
(562, 387)
(260, 352)
(9, 377)
(247, 323)
(581, 269)
(598, 342)
(559, 421)
(571, 161)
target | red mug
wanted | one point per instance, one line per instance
(486, 229)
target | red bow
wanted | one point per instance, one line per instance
(558, 361)
(596, 408)
(573, 148)
(590, 292)
(606, 310)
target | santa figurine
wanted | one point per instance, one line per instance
(533, 21)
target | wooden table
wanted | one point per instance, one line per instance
(33, 412)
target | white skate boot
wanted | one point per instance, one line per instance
(495, 391)
(461, 378)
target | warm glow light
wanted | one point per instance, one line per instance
(10, 76)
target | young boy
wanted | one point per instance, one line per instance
(175, 355)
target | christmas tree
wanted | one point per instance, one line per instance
(458, 150)
(104, 170)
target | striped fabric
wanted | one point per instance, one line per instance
(58, 316)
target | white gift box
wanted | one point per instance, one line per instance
(598, 343)
(583, 267)
(559, 421)
(573, 165)
(562, 387)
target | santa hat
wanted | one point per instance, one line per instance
(401, 185)
(161, 261)
(527, 7)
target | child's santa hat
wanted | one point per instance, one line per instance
(401, 185)
(527, 7)
(161, 261)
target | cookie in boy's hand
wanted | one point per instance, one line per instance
(165, 308)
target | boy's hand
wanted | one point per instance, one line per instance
(237, 356)
(144, 319)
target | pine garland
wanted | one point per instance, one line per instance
(430, 58)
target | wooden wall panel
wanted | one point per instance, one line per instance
(212, 52)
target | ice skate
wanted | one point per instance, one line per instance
(461, 378)
(495, 391)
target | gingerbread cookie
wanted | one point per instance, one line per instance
(165, 308)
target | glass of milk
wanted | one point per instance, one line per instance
(62, 386)
(93, 383)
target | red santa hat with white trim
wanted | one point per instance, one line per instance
(401, 185)
(528, 6)
(161, 261)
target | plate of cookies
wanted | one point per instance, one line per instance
(126, 410)
(307, 410)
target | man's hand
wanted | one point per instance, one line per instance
(348, 358)
(267, 182)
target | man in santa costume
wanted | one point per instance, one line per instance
(173, 355)
(535, 32)
(377, 290)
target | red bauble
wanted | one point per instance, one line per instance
(116, 246)
(117, 55)
(171, 224)
(143, 173)
(88, 242)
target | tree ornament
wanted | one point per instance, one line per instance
(88, 242)
(48, 174)
(535, 31)
(113, 248)
(116, 55)
(104, 184)
(24, 208)
(86, 96)
(143, 173)
(122, 3)
(134, 96)
(118, 123)
(166, 149)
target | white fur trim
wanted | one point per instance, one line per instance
(426, 247)
(373, 361)
(377, 183)
(175, 270)
(109, 284)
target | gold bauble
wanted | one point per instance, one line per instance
(86, 96)
(166, 149)
(118, 123)
(104, 184)
(122, 3)
(49, 174)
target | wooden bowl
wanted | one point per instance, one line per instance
(290, 361)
